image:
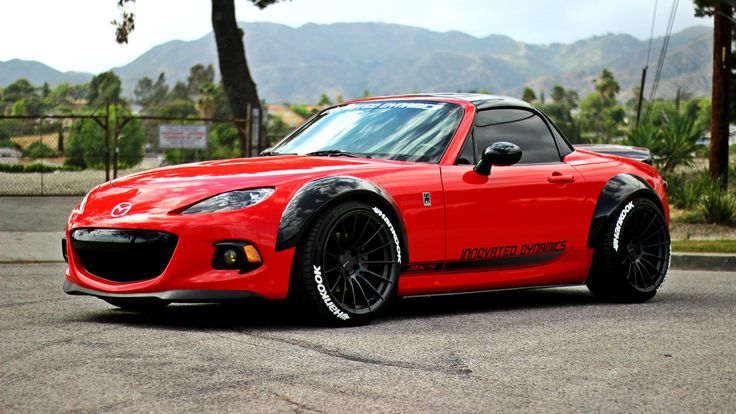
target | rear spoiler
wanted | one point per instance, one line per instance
(636, 153)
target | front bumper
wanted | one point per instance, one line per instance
(192, 296)
(190, 268)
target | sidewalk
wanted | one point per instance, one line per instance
(31, 229)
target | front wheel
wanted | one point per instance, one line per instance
(349, 264)
(633, 258)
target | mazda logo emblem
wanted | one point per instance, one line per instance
(121, 209)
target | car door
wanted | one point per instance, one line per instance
(529, 219)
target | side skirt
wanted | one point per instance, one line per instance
(474, 292)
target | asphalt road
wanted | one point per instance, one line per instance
(547, 350)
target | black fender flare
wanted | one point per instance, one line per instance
(314, 197)
(616, 193)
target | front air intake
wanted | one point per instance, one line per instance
(122, 255)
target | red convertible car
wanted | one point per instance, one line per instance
(376, 199)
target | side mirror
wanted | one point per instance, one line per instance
(499, 153)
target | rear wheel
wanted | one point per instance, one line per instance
(633, 258)
(349, 264)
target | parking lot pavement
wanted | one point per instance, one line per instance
(553, 350)
(31, 228)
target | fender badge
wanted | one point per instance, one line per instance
(427, 198)
(121, 209)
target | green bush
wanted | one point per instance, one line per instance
(678, 143)
(86, 147)
(38, 150)
(672, 142)
(686, 191)
(35, 168)
(645, 135)
(718, 207)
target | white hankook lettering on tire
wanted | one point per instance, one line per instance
(391, 228)
(325, 296)
(619, 223)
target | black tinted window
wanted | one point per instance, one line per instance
(517, 126)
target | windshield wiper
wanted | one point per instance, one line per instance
(337, 153)
(273, 153)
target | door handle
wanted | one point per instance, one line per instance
(558, 178)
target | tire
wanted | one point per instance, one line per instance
(138, 305)
(348, 267)
(633, 257)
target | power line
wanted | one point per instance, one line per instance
(662, 55)
(651, 33)
(646, 66)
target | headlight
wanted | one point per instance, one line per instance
(232, 200)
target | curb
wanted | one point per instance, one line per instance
(703, 261)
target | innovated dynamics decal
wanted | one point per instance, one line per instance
(495, 256)
(483, 253)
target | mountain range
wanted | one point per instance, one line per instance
(298, 64)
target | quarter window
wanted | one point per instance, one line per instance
(523, 128)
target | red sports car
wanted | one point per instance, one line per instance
(379, 198)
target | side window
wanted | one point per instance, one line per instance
(467, 152)
(523, 128)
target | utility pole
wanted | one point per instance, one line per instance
(722, 58)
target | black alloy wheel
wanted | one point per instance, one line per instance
(644, 249)
(351, 262)
(634, 256)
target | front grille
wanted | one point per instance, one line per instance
(122, 255)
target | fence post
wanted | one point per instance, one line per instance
(107, 140)
(115, 144)
(40, 146)
(60, 142)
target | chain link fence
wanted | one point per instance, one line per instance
(68, 155)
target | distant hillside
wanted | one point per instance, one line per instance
(298, 64)
(37, 73)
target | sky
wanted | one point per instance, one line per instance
(77, 34)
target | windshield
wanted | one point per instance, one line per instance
(397, 130)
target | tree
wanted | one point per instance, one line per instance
(236, 78)
(607, 87)
(324, 100)
(600, 115)
(179, 91)
(104, 87)
(560, 111)
(198, 77)
(142, 90)
(528, 95)
(86, 149)
(724, 83)
(149, 94)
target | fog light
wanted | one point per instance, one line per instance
(230, 257)
(236, 254)
(252, 254)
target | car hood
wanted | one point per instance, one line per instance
(163, 190)
(241, 173)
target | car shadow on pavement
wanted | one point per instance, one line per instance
(284, 315)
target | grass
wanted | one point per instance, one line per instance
(704, 246)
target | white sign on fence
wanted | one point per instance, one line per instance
(182, 136)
